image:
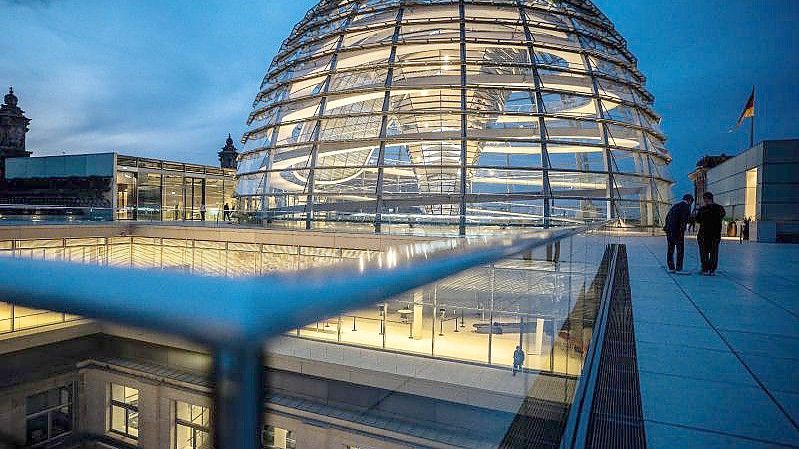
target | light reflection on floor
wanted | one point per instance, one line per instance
(466, 344)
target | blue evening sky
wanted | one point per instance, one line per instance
(170, 79)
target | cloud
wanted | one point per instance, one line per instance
(100, 79)
(30, 3)
(192, 133)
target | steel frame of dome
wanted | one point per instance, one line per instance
(454, 112)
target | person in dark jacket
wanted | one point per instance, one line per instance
(676, 221)
(518, 359)
(710, 218)
(745, 231)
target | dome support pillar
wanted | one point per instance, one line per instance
(311, 198)
(542, 127)
(464, 143)
(612, 206)
(381, 155)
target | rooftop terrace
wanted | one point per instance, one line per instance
(718, 356)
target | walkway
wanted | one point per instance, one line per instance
(718, 356)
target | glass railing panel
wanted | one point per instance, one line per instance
(459, 332)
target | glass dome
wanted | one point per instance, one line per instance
(454, 113)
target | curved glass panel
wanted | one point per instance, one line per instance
(447, 112)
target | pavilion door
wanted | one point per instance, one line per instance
(193, 192)
(126, 196)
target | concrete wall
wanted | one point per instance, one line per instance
(781, 186)
(328, 394)
(727, 181)
(63, 231)
(157, 397)
(156, 404)
(778, 187)
(366, 241)
(12, 404)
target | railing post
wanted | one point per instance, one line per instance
(383, 322)
(239, 375)
(491, 288)
(435, 315)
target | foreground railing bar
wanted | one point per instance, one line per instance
(235, 316)
(576, 428)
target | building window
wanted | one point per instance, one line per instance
(192, 426)
(49, 414)
(172, 198)
(148, 196)
(750, 195)
(126, 195)
(275, 437)
(125, 411)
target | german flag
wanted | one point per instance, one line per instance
(749, 109)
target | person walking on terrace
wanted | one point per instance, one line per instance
(676, 222)
(518, 359)
(709, 218)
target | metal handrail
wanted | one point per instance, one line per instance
(235, 316)
(576, 428)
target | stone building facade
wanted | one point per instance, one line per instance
(13, 127)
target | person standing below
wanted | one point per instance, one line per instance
(709, 218)
(518, 359)
(202, 212)
(226, 212)
(676, 222)
(739, 229)
(745, 231)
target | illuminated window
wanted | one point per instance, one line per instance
(125, 411)
(48, 414)
(275, 437)
(192, 426)
(750, 199)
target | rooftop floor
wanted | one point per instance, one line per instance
(718, 356)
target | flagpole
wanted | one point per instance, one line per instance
(749, 112)
(752, 125)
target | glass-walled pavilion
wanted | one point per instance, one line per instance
(149, 189)
(110, 186)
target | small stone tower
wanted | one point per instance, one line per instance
(13, 126)
(228, 155)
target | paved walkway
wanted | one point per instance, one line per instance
(718, 356)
